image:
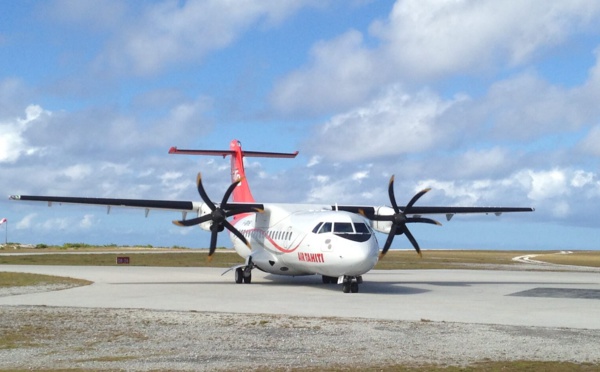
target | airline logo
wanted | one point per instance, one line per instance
(311, 257)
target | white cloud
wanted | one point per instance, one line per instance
(171, 32)
(53, 224)
(394, 123)
(343, 72)
(426, 39)
(437, 37)
(87, 221)
(13, 143)
(78, 171)
(26, 222)
(547, 184)
(581, 179)
(526, 107)
(314, 160)
(591, 143)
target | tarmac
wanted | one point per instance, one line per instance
(519, 298)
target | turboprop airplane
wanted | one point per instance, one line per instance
(335, 241)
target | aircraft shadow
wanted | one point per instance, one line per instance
(379, 287)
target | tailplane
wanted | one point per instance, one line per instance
(242, 192)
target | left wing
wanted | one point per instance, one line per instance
(170, 205)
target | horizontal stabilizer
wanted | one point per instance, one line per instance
(224, 153)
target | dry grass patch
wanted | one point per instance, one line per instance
(26, 280)
(577, 258)
(445, 259)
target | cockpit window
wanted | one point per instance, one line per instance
(357, 231)
(361, 228)
(326, 228)
(342, 228)
(316, 229)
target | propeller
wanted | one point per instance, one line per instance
(219, 215)
(399, 220)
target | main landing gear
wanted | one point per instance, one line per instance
(349, 283)
(243, 274)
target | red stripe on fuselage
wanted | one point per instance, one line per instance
(277, 246)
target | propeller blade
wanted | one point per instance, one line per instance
(388, 242)
(412, 239)
(236, 232)
(203, 193)
(233, 212)
(193, 221)
(214, 231)
(218, 215)
(391, 195)
(422, 220)
(229, 191)
(415, 198)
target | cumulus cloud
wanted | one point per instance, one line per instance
(171, 32)
(13, 143)
(526, 107)
(422, 40)
(591, 143)
(395, 123)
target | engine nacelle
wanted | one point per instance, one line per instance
(382, 226)
(204, 210)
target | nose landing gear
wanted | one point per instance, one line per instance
(350, 283)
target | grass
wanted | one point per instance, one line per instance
(432, 259)
(24, 280)
(445, 259)
(590, 258)
(183, 259)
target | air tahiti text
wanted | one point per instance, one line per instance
(311, 257)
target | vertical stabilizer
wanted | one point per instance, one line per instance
(242, 193)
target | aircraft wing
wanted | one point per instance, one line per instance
(370, 211)
(171, 205)
(147, 204)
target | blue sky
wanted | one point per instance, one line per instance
(487, 103)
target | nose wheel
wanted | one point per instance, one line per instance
(350, 284)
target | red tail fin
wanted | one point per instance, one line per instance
(242, 192)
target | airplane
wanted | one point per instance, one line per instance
(337, 242)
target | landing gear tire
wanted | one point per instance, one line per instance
(239, 275)
(350, 284)
(346, 287)
(247, 277)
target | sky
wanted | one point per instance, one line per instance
(489, 103)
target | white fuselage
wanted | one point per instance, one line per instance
(291, 240)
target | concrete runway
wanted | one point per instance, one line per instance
(522, 298)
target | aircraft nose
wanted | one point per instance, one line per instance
(360, 257)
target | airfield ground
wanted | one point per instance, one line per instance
(470, 311)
